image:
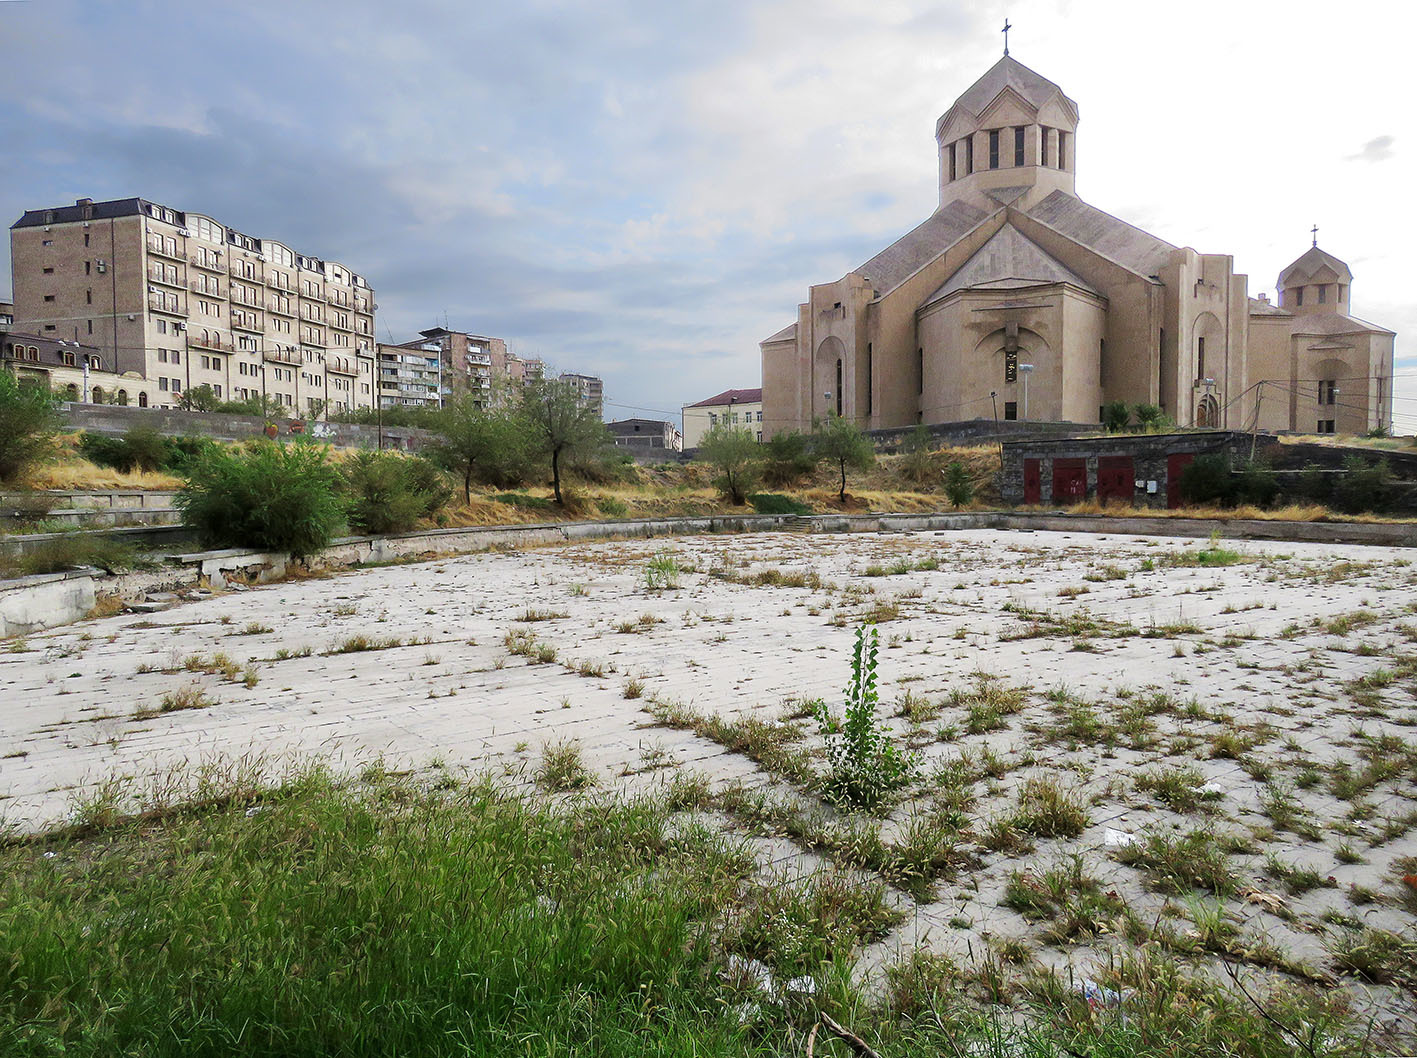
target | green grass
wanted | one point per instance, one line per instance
(69, 552)
(379, 917)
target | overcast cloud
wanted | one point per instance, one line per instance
(644, 190)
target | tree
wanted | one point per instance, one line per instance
(789, 457)
(737, 456)
(388, 493)
(1116, 416)
(841, 441)
(200, 398)
(959, 486)
(560, 425)
(29, 419)
(476, 441)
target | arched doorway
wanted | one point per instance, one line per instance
(830, 373)
(122, 398)
(1208, 412)
(97, 395)
(142, 400)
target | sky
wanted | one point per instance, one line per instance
(645, 190)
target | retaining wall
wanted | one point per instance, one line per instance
(30, 604)
(118, 419)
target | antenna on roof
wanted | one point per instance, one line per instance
(1007, 27)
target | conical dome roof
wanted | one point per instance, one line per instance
(1313, 262)
(1008, 72)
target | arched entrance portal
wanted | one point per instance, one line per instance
(1208, 412)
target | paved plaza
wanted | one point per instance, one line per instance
(1264, 690)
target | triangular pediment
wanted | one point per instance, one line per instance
(1010, 260)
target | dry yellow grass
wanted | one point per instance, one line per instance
(1307, 512)
(80, 474)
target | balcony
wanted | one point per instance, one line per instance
(209, 265)
(196, 341)
(279, 309)
(198, 287)
(255, 326)
(282, 356)
(158, 251)
(338, 365)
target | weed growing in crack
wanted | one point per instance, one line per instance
(865, 766)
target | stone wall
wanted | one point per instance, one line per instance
(113, 419)
(979, 431)
(1149, 454)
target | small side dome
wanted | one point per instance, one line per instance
(1316, 282)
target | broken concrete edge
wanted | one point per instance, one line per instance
(32, 604)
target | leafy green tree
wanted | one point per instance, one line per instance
(561, 426)
(200, 398)
(737, 456)
(477, 442)
(788, 458)
(1116, 416)
(959, 486)
(269, 496)
(840, 441)
(267, 407)
(29, 419)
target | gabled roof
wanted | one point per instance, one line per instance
(737, 396)
(1336, 323)
(1311, 263)
(1009, 260)
(1116, 240)
(790, 331)
(908, 254)
(118, 207)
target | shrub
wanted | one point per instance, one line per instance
(1256, 484)
(788, 458)
(1116, 416)
(1363, 486)
(480, 445)
(865, 765)
(775, 503)
(919, 462)
(389, 493)
(270, 497)
(143, 448)
(737, 456)
(959, 486)
(29, 419)
(1207, 480)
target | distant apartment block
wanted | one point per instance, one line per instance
(7, 315)
(182, 300)
(590, 389)
(411, 376)
(739, 408)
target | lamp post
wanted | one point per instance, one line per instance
(1025, 370)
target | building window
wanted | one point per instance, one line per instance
(143, 399)
(1010, 367)
(1200, 358)
(49, 297)
(1045, 129)
(1328, 391)
(1018, 145)
(162, 384)
(48, 271)
(869, 393)
(1341, 289)
(1062, 149)
(1298, 295)
(951, 150)
(1010, 410)
(993, 148)
(1326, 426)
(1323, 293)
(67, 359)
(968, 155)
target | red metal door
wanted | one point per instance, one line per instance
(1115, 480)
(1032, 481)
(1176, 465)
(1069, 480)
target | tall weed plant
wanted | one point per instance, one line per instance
(866, 766)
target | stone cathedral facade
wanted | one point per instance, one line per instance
(1016, 295)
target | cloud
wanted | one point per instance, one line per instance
(1378, 149)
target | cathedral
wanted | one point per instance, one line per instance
(1017, 299)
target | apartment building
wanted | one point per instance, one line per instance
(590, 389)
(76, 371)
(741, 409)
(182, 300)
(7, 316)
(475, 365)
(411, 376)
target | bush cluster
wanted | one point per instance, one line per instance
(29, 419)
(742, 462)
(142, 448)
(1361, 486)
(389, 493)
